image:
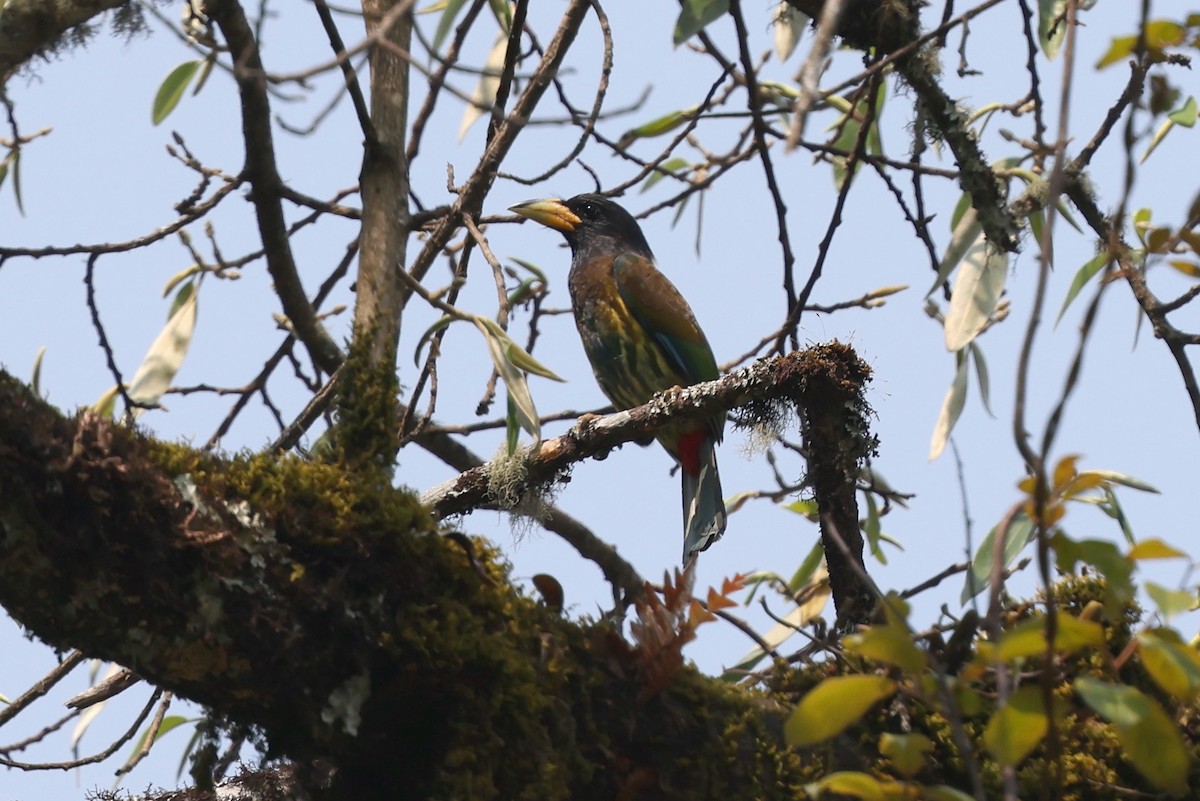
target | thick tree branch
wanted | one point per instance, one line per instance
(319, 607)
(884, 28)
(824, 384)
(782, 379)
(31, 27)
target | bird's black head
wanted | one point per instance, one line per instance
(588, 222)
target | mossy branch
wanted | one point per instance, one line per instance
(29, 28)
(824, 384)
(885, 26)
(319, 607)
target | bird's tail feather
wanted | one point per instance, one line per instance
(703, 504)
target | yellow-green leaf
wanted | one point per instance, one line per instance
(658, 126)
(1173, 664)
(907, 752)
(891, 644)
(851, 783)
(1170, 602)
(1155, 549)
(171, 90)
(1028, 638)
(1017, 727)
(1148, 736)
(833, 705)
(942, 792)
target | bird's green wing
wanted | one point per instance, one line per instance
(662, 312)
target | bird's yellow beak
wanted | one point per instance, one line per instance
(550, 212)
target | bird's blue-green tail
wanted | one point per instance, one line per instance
(703, 503)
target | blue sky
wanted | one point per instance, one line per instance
(103, 174)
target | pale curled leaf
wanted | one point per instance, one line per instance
(966, 232)
(166, 353)
(977, 290)
(789, 27)
(484, 95)
(952, 407)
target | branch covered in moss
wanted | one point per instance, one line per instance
(318, 606)
(784, 379)
(885, 26)
(29, 28)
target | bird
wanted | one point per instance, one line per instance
(641, 338)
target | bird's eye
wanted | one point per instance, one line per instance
(589, 210)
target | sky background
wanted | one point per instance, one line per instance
(103, 175)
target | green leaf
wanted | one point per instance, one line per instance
(668, 166)
(180, 277)
(871, 528)
(171, 90)
(168, 723)
(1170, 602)
(429, 332)
(106, 404)
(907, 752)
(952, 407)
(851, 783)
(518, 356)
(966, 232)
(891, 644)
(1173, 664)
(1185, 115)
(834, 704)
(977, 289)
(1017, 727)
(1148, 736)
(808, 568)
(449, 10)
(512, 362)
(1116, 703)
(849, 125)
(1052, 25)
(512, 424)
(1020, 533)
(943, 792)
(658, 126)
(1085, 273)
(694, 15)
(981, 372)
(807, 508)
(1126, 480)
(502, 11)
(1028, 638)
